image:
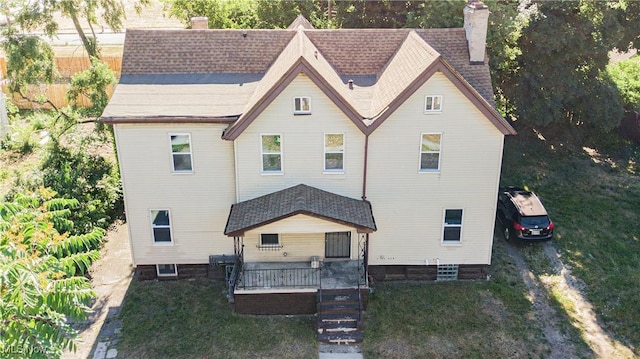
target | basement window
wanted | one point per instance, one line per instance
(302, 105)
(167, 270)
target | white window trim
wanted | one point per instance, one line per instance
(324, 154)
(279, 245)
(153, 238)
(301, 111)
(444, 225)
(433, 111)
(262, 171)
(173, 165)
(427, 170)
(174, 274)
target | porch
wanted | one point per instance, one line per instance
(261, 276)
(294, 247)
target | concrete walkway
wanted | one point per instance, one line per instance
(328, 351)
(111, 275)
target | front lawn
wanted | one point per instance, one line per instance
(192, 319)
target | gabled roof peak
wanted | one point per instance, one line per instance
(300, 22)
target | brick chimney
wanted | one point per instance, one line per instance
(199, 22)
(476, 20)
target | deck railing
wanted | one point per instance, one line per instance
(279, 277)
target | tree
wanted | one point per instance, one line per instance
(40, 14)
(626, 75)
(30, 61)
(221, 14)
(41, 275)
(92, 84)
(559, 77)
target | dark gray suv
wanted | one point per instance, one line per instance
(523, 216)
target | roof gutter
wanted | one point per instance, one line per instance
(169, 119)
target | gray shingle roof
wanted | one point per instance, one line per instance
(300, 199)
(241, 71)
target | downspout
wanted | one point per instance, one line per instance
(366, 258)
(364, 170)
(235, 164)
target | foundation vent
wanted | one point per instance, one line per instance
(447, 272)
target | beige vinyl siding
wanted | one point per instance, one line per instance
(301, 237)
(409, 205)
(198, 202)
(302, 146)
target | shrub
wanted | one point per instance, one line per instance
(90, 179)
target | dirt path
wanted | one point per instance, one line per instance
(560, 281)
(110, 277)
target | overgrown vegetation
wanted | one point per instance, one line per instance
(626, 75)
(42, 267)
(590, 185)
(77, 164)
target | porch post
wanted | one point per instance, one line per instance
(363, 240)
(238, 248)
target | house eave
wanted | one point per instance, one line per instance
(170, 119)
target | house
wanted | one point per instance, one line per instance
(298, 160)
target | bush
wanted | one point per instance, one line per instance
(90, 179)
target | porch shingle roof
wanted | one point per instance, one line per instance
(300, 199)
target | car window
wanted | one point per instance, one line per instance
(532, 221)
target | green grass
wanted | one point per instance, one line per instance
(192, 319)
(475, 319)
(471, 319)
(592, 193)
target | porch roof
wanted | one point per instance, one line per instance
(300, 199)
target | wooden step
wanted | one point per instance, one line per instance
(341, 338)
(339, 295)
(344, 326)
(335, 305)
(339, 317)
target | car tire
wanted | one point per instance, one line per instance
(506, 233)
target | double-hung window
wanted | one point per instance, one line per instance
(271, 153)
(181, 153)
(452, 226)
(161, 227)
(430, 152)
(302, 105)
(334, 152)
(433, 103)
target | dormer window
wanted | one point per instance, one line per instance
(433, 103)
(302, 105)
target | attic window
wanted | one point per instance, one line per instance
(302, 105)
(433, 103)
